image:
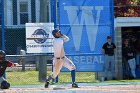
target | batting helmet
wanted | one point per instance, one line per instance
(5, 85)
(55, 31)
(2, 55)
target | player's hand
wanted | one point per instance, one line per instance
(62, 34)
(14, 64)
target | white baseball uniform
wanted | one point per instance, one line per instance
(60, 59)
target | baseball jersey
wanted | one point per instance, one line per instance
(109, 48)
(58, 46)
(126, 50)
(3, 66)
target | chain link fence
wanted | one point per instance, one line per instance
(27, 72)
(27, 67)
(19, 12)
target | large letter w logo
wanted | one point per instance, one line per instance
(87, 19)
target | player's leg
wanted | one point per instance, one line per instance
(132, 64)
(73, 76)
(112, 58)
(57, 65)
(106, 66)
(69, 64)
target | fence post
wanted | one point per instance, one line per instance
(37, 63)
(42, 68)
(22, 53)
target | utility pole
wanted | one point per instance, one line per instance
(2, 25)
(44, 11)
(44, 18)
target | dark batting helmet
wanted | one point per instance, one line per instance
(55, 31)
(2, 55)
(5, 85)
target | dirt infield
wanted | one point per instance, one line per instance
(83, 88)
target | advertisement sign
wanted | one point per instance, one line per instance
(87, 23)
(39, 37)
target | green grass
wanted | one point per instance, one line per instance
(22, 78)
(87, 77)
(31, 78)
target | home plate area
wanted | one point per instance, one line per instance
(83, 88)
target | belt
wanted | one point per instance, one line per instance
(109, 54)
(60, 57)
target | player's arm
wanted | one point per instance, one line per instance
(65, 38)
(103, 49)
(10, 64)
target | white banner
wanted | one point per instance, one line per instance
(39, 37)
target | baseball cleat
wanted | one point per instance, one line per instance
(74, 85)
(47, 84)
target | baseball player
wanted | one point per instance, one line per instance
(60, 59)
(3, 65)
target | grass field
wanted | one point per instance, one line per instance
(31, 78)
(22, 78)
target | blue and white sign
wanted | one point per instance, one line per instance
(39, 37)
(87, 62)
(86, 23)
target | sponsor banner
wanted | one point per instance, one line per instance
(39, 37)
